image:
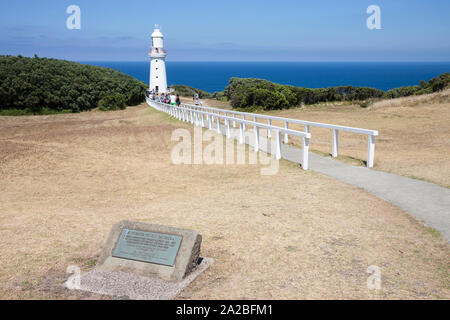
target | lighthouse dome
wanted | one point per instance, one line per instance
(157, 34)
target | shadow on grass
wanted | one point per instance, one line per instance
(346, 159)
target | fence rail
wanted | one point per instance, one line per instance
(371, 134)
(197, 116)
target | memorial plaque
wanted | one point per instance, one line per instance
(147, 246)
(151, 250)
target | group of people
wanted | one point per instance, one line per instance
(164, 98)
(171, 99)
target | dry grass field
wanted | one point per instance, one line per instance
(414, 134)
(66, 179)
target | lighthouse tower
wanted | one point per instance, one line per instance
(158, 79)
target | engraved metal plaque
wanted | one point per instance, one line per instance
(146, 246)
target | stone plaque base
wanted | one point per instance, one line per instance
(150, 250)
(131, 286)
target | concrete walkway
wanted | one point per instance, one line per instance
(425, 201)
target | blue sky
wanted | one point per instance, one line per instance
(245, 30)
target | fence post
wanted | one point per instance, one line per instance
(241, 133)
(278, 146)
(307, 128)
(305, 153)
(370, 151)
(244, 123)
(234, 121)
(218, 124)
(203, 120)
(335, 142)
(210, 120)
(269, 133)
(227, 122)
(286, 126)
(256, 129)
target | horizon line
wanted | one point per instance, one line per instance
(277, 61)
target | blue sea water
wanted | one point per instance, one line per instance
(214, 76)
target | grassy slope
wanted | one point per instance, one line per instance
(292, 235)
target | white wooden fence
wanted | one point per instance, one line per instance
(371, 134)
(198, 116)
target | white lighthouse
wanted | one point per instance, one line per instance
(158, 79)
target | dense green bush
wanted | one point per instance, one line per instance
(257, 93)
(187, 91)
(39, 84)
(246, 93)
(219, 96)
(401, 92)
(112, 102)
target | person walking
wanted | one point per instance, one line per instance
(178, 101)
(173, 99)
(196, 99)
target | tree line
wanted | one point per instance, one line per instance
(249, 93)
(187, 91)
(42, 85)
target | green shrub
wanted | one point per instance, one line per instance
(41, 84)
(249, 94)
(112, 102)
(187, 91)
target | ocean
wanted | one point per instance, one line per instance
(214, 76)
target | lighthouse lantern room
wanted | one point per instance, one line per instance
(158, 79)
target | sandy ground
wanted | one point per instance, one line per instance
(414, 134)
(66, 179)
